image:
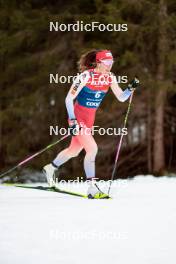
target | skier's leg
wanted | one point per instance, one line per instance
(90, 146)
(72, 151)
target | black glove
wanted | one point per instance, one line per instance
(74, 127)
(133, 84)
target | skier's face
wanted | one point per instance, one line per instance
(105, 66)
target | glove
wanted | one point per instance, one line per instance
(133, 84)
(73, 127)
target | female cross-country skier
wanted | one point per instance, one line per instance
(88, 91)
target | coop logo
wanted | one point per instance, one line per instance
(92, 104)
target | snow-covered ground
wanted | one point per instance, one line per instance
(137, 226)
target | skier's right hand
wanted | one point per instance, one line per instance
(133, 84)
(73, 127)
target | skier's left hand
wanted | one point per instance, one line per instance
(73, 127)
(133, 84)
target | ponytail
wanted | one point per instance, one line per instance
(88, 60)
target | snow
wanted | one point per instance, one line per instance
(137, 226)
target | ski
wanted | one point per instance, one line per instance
(52, 189)
(55, 189)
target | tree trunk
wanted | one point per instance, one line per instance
(159, 153)
(149, 133)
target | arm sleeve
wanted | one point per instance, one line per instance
(76, 87)
(70, 107)
(121, 95)
(125, 95)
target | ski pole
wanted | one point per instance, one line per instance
(120, 142)
(33, 156)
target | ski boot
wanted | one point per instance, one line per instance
(94, 192)
(49, 172)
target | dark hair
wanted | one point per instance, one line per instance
(88, 60)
